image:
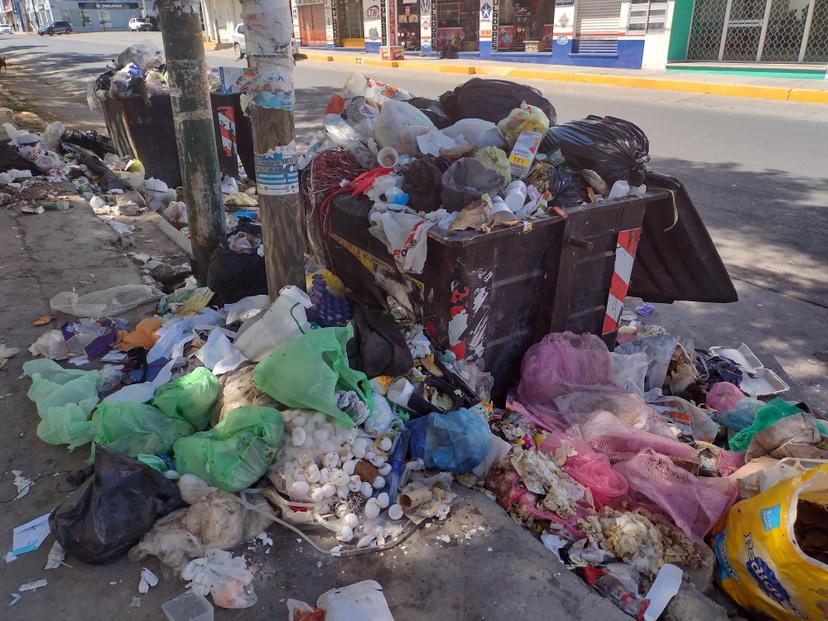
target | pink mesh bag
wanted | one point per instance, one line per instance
(694, 503)
(608, 435)
(590, 468)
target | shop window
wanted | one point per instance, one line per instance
(520, 21)
(458, 24)
(408, 24)
(351, 20)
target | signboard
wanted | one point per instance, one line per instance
(107, 5)
(372, 18)
(486, 12)
(308, 2)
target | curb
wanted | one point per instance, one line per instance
(769, 93)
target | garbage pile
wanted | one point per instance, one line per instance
(224, 413)
(486, 155)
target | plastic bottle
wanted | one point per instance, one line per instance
(516, 195)
(285, 320)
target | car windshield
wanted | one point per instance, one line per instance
(240, 28)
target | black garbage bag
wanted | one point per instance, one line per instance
(104, 81)
(99, 144)
(107, 180)
(614, 148)
(433, 110)
(234, 275)
(10, 158)
(423, 182)
(567, 189)
(466, 181)
(113, 509)
(378, 346)
(492, 100)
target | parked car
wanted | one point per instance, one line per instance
(240, 47)
(6, 29)
(56, 28)
(141, 23)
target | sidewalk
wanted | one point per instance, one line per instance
(776, 89)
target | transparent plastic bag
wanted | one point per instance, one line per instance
(284, 321)
(724, 396)
(359, 85)
(478, 132)
(526, 118)
(629, 371)
(307, 372)
(235, 453)
(398, 126)
(50, 345)
(107, 302)
(225, 577)
(496, 159)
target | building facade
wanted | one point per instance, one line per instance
(630, 34)
(84, 15)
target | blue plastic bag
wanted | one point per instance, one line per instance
(456, 442)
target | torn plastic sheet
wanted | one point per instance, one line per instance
(104, 303)
(143, 392)
(220, 355)
(177, 332)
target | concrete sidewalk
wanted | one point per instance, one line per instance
(775, 89)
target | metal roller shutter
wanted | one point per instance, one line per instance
(598, 26)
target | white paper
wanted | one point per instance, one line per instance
(665, 587)
(33, 586)
(28, 537)
(114, 356)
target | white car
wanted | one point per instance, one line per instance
(6, 29)
(137, 24)
(240, 47)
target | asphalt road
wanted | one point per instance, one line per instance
(756, 170)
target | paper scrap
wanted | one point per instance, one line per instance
(22, 483)
(148, 580)
(56, 556)
(16, 597)
(28, 537)
(33, 586)
(114, 356)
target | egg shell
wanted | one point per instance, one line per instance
(371, 509)
(383, 500)
(367, 489)
(379, 483)
(345, 534)
(385, 470)
(350, 520)
(395, 512)
(386, 444)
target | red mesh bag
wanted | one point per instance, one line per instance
(694, 503)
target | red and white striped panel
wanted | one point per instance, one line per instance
(624, 260)
(227, 127)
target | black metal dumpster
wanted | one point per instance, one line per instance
(489, 296)
(144, 129)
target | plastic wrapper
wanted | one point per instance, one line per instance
(113, 509)
(307, 372)
(629, 371)
(476, 132)
(398, 126)
(127, 81)
(659, 350)
(192, 397)
(466, 181)
(235, 453)
(144, 54)
(496, 159)
(741, 416)
(768, 551)
(214, 519)
(688, 417)
(284, 321)
(694, 503)
(631, 409)
(613, 148)
(359, 85)
(64, 398)
(362, 114)
(492, 100)
(133, 428)
(524, 118)
(107, 302)
(51, 345)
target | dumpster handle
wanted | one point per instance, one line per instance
(580, 243)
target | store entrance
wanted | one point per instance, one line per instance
(522, 21)
(408, 24)
(351, 22)
(458, 25)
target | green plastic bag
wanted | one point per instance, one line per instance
(64, 398)
(135, 428)
(235, 453)
(306, 372)
(191, 397)
(766, 416)
(153, 461)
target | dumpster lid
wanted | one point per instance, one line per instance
(677, 259)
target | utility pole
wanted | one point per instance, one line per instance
(268, 28)
(194, 132)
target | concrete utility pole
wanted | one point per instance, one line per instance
(268, 28)
(194, 132)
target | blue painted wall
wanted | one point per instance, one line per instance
(630, 55)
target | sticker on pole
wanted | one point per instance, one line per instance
(276, 171)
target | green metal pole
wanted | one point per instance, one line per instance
(194, 132)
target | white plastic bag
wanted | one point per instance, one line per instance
(373, 90)
(285, 320)
(51, 136)
(478, 132)
(628, 371)
(220, 355)
(223, 576)
(404, 235)
(246, 308)
(51, 345)
(431, 142)
(105, 303)
(398, 126)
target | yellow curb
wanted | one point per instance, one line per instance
(804, 95)
(770, 93)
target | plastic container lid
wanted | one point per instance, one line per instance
(189, 606)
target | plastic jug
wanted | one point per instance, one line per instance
(285, 320)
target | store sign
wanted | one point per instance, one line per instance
(425, 24)
(372, 17)
(308, 2)
(564, 3)
(486, 13)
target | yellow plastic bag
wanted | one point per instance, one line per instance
(527, 118)
(761, 565)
